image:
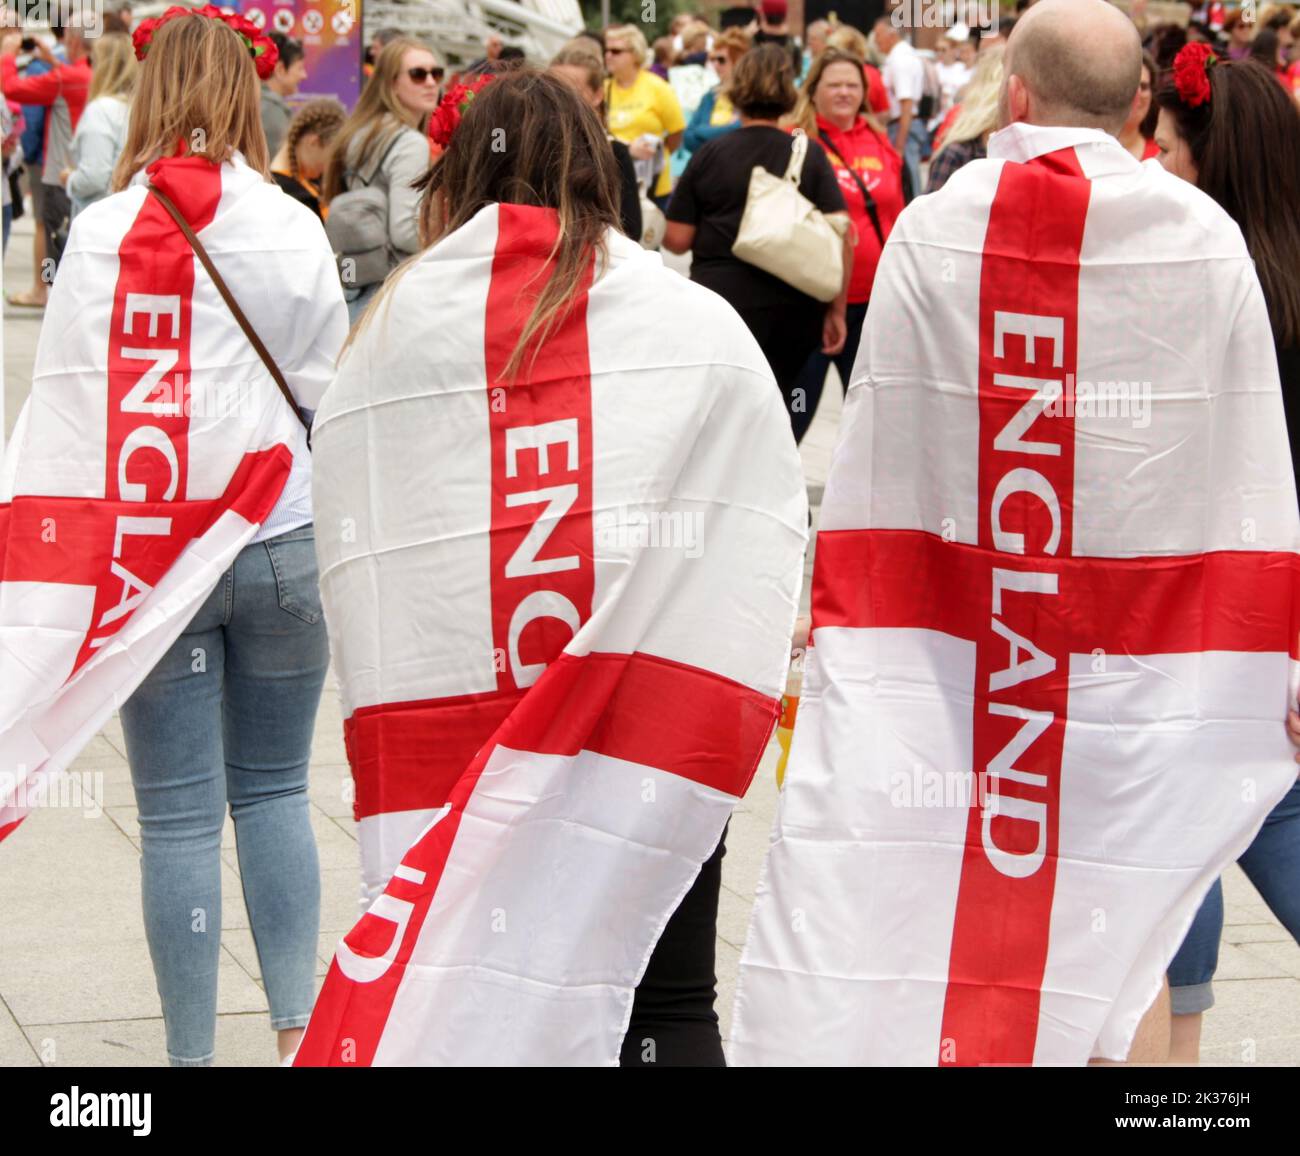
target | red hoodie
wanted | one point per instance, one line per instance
(874, 160)
(63, 91)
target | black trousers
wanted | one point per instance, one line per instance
(674, 1024)
(56, 216)
(788, 335)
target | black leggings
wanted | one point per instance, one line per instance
(673, 1022)
(788, 335)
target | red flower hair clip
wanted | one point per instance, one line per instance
(454, 104)
(1192, 74)
(260, 46)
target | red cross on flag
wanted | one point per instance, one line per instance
(152, 448)
(1053, 625)
(560, 610)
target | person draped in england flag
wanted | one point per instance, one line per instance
(156, 547)
(1053, 614)
(561, 524)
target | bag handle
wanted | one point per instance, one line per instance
(794, 170)
(867, 198)
(256, 342)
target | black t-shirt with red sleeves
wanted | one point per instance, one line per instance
(711, 196)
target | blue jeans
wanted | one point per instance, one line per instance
(1272, 864)
(226, 717)
(358, 299)
(914, 151)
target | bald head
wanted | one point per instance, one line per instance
(1072, 62)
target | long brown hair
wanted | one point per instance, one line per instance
(196, 95)
(378, 117)
(555, 155)
(1245, 141)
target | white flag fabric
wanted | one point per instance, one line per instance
(1053, 625)
(153, 444)
(560, 612)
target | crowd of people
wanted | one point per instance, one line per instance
(664, 138)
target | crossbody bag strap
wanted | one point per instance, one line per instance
(869, 200)
(256, 342)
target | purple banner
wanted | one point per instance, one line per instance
(330, 33)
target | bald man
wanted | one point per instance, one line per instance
(1048, 675)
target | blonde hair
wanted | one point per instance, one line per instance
(805, 111)
(377, 119)
(978, 101)
(633, 38)
(196, 95)
(695, 37)
(115, 67)
(848, 39)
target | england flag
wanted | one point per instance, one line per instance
(153, 445)
(560, 609)
(1053, 625)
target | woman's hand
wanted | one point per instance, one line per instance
(64, 174)
(834, 331)
(642, 149)
(1293, 730)
(10, 43)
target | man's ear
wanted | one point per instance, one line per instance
(1017, 100)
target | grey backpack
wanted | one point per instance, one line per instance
(357, 227)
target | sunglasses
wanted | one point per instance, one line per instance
(420, 75)
(616, 51)
(719, 60)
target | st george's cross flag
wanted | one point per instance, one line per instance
(560, 610)
(152, 447)
(1053, 626)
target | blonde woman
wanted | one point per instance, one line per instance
(383, 145)
(236, 652)
(101, 131)
(643, 109)
(974, 118)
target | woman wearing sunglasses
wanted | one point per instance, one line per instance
(383, 145)
(715, 113)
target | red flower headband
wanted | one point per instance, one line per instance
(454, 104)
(262, 47)
(1192, 74)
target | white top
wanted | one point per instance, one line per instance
(96, 145)
(904, 77)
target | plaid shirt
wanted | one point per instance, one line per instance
(950, 158)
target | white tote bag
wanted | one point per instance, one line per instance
(783, 233)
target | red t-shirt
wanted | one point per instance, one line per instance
(875, 161)
(877, 97)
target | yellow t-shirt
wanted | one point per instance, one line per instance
(649, 106)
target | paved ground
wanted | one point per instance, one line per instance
(76, 985)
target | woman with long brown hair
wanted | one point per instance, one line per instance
(1230, 129)
(524, 399)
(383, 145)
(216, 650)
